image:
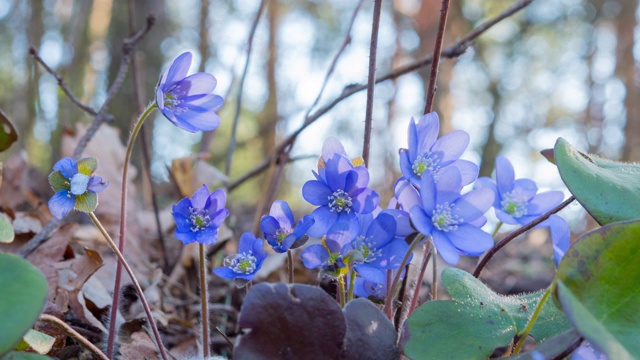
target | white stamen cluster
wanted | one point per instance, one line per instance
(244, 263)
(426, 161)
(199, 219)
(340, 201)
(444, 219)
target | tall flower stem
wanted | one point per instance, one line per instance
(495, 231)
(204, 302)
(290, 266)
(423, 269)
(123, 228)
(341, 291)
(388, 308)
(533, 319)
(434, 286)
(352, 283)
(136, 285)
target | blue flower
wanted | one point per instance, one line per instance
(377, 243)
(429, 154)
(516, 201)
(187, 101)
(340, 190)
(199, 218)
(452, 220)
(328, 255)
(75, 186)
(246, 263)
(278, 227)
(560, 236)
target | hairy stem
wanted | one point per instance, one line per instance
(74, 334)
(341, 291)
(434, 286)
(290, 265)
(123, 228)
(388, 308)
(532, 321)
(423, 269)
(136, 285)
(352, 283)
(204, 301)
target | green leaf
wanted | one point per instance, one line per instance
(477, 321)
(598, 286)
(87, 202)
(15, 355)
(58, 181)
(609, 190)
(8, 134)
(87, 165)
(6, 230)
(24, 291)
(39, 342)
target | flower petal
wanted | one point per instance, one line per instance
(314, 256)
(216, 201)
(303, 225)
(366, 201)
(406, 195)
(197, 84)
(451, 146)
(428, 193)
(505, 176)
(269, 225)
(281, 211)
(316, 192)
(447, 251)
(200, 197)
(61, 204)
(544, 202)
(470, 240)
(207, 236)
(382, 230)
(178, 70)
(391, 255)
(187, 237)
(468, 171)
(421, 221)
(218, 218)
(474, 204)
(560, 236)
(324, 219)
(427, 129)
(79, 183)
(405, 167)
(183, 224)
(332, 146)
(246, 242)
(67, 166)
(225, 272)
(488, 183)
(96, 184)
(338, 236)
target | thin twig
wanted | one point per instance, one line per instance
(100, 117)
(74, 334)
(225, 337)
(517, 233)
(371, 80)
(423, 269)
(433, 76)
(62, 84)
(453, 51)
(236, 118)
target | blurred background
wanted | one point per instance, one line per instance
(558, 68)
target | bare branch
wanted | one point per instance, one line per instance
(371, 80)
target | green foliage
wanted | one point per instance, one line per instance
(597, 286)
(608, 190)
(15, 355)
(477, 320)
(552, 348)
(24, 291)
(6, 230)
(8, 134)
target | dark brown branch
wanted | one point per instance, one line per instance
(236, 119)
(371, 80)
(437, 50)
(453, 51)
(507, 239)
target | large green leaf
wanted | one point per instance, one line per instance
(477, 320)
(8, 134)
(17, 355)
(24, 291)
(609, 190)
(598, 286)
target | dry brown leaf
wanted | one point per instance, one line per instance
(26, 223)
(74, 273)
(140, 347)
(192, 171)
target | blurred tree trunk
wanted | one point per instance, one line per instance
(35, 30)
(491, 147)
(627, 70)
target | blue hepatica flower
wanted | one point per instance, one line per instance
(246, 263)
(75, 185)
(341, 192)
(279, 230)
(517, 201)
(187, 101)
(429, 154)
(452, 220)
(377, 243)
(199, 218)
(328, 255)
